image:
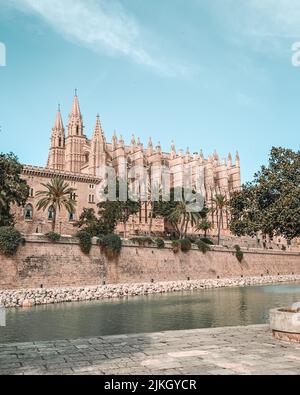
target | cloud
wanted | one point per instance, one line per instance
(265, 25)
(99, 25)
(277, 18)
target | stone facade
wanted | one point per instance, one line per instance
(63, 264)
(80, 161)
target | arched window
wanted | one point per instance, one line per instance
(28, 212)
(51, 214)
(86, 157)
(72, 217)
(59, 142)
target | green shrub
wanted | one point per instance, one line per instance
(111, 245)
(142, 241)
(176, 246)
(185, 245)
(53, 237)
(10, 240)
(203, 247)
(160, 243)
(85, 241)
(207, 241)
(239, 253)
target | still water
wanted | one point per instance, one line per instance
(200, 309)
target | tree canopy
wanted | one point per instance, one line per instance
(57, 194)
(13, 190)
(271, 203)
(109, 214)
(181, 213)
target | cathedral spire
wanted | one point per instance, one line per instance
(56, 156)
(229, 160)
(58, 121)
(216, 155)
(114, 140)
(237, 159)
(173, 150)
(75, 155)
(98, 128)
(158, 148)
(188, 154)
(150, 147)
(75, 127)
(76, 107)
(98, 149)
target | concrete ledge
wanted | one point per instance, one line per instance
(285, 324)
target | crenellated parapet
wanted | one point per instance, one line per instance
(35, 171)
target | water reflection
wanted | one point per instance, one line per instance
(201, 309)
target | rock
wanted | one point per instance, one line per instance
(29, 298)
(27, 303)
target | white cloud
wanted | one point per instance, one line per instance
(265, 25)
(99, 25)
(277, 18)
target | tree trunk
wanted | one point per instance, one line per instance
(186, 227)
(54, 221)
(219, 227)
(125, 229)
(182, 226)
(151, 221)
(257, 240)
(176, 228)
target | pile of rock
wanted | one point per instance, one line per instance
(34, 297)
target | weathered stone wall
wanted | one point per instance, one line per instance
(63, 264)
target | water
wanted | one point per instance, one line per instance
(200, 309)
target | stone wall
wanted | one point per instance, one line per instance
(39, 262)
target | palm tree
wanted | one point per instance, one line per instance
(220, 202)
(154, 191)
(183, 216)
(204, 225)
(57, 195)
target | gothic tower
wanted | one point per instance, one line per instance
(56, 158)
(97, 159)
(76, 140)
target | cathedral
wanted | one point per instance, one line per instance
(77, 159)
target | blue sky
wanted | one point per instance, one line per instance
(210, 74)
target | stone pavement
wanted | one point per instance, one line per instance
(220, 351)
